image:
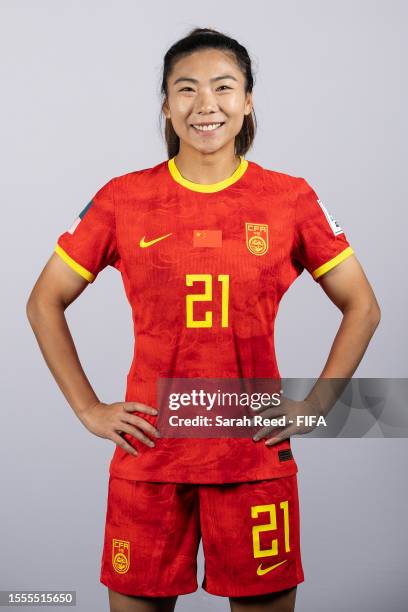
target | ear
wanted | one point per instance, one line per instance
(166, 109)
(248, 103)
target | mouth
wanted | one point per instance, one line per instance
(207, 127)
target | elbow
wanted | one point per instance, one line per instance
(373, 314)
(378, 316)
(37, 307)
(41, 304)
(31, 310)
(368, 311)
(32, 305)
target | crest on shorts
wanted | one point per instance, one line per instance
(120, 556)
(256, 238)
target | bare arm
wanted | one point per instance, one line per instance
(347, 287)
(56, 288)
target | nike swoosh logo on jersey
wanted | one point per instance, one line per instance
(264, 570)
(144, 244)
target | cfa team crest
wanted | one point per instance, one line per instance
(120, 556)
(257, 238)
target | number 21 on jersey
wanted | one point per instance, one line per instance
(191, 298)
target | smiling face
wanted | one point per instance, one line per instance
(206, 100)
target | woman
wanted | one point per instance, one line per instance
(206, 243)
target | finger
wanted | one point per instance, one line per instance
(132, 406)
(273, 425)
(123, 444)
(283, 435)
(262, 409)
(137, 434)
(265, 431)
(272, 413)
(142, 424)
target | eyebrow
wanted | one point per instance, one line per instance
(218, 78)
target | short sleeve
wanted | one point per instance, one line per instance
(320, 242)
(89, 245)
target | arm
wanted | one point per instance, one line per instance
(347, 287)
(56, 288)
(319, 242)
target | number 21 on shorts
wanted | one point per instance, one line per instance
(271, 526)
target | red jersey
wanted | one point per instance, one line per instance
(259, 229)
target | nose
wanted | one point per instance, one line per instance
(205, 102)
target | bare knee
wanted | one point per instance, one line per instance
(280, 601)
(119, 602)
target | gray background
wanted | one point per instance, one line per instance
(80, 105)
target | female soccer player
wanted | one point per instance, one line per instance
(206, 243)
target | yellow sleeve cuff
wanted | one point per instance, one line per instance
(332, 262)
(74, 265)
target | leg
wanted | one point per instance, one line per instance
(281, 601)
(129, 603)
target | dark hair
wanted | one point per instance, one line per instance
(205, 38)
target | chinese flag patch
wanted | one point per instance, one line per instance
(207, 238)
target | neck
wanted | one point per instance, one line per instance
(206, 168)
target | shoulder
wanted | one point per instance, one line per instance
(146, 179)
(274, 180)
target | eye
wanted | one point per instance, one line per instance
(223, 87)
(186, 88)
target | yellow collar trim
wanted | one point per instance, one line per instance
(213, 187)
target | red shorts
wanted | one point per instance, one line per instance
(250, 533)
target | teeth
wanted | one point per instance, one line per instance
(206, 128)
